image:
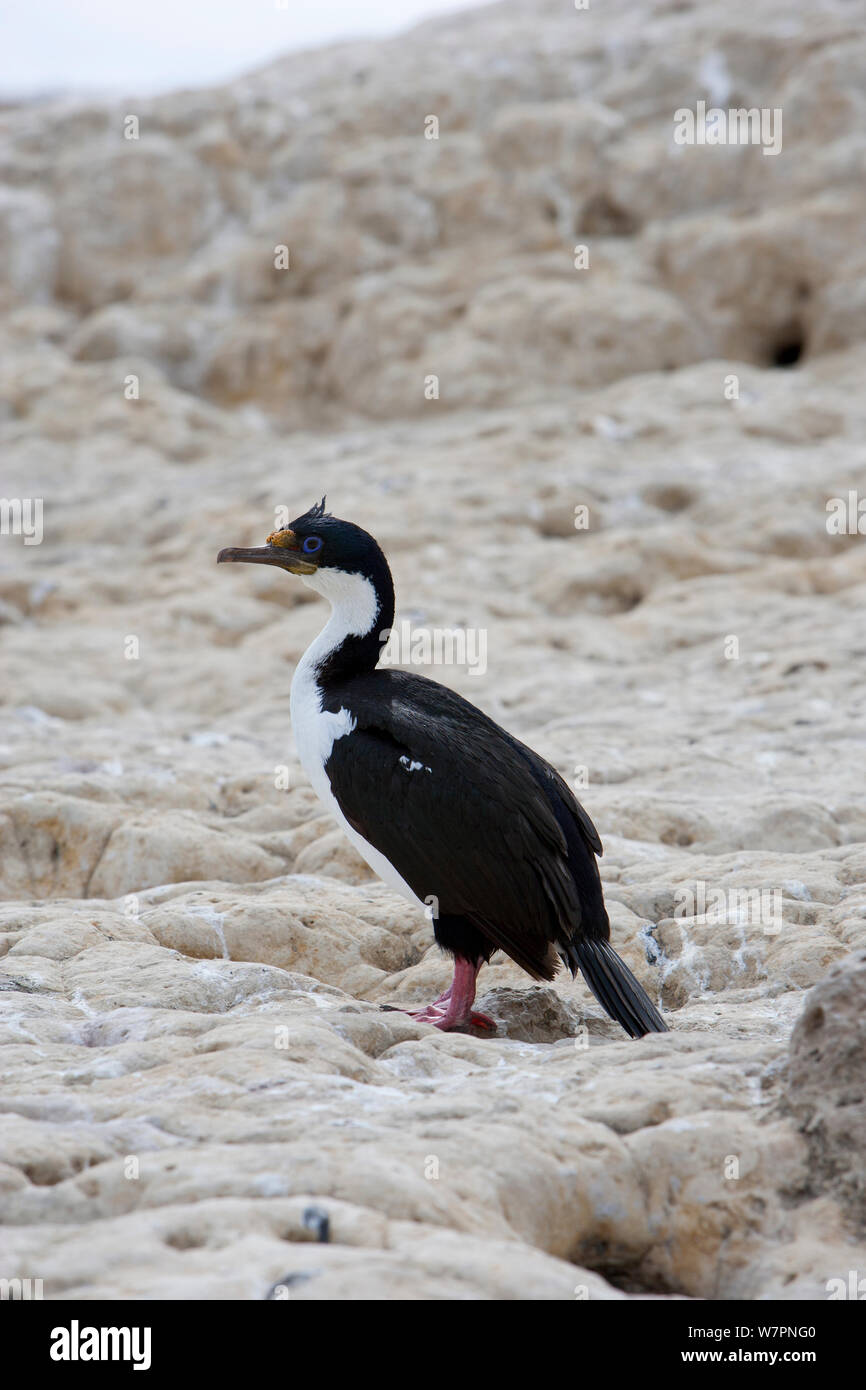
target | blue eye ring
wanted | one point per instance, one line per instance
(312, 544)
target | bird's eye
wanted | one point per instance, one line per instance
(312, 544)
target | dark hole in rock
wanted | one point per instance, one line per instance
(603, 217)
(676, 835)
(669, 496)
(47, 1173)
(814, 1020)
(624, 1274)
(185, 1240)
(789, 347)
(798, 666)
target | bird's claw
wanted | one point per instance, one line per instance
(438, 1017)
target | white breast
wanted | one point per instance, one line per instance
(355, 606)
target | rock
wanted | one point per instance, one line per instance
(826, 1088)
(54, 843)
(538, 1014)
(172, 848)
(125, 206)
(332, 854)
(30, 242)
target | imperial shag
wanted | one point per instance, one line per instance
(446, 806)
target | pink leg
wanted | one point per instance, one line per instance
(453, 1009)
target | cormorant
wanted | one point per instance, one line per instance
(446, 806)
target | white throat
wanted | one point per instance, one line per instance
(354, 610)
(354, 607)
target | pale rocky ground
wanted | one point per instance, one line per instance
(196, 1072)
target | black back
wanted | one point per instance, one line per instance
(468, 815)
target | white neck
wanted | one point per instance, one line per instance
(354, 608)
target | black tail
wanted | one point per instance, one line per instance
(615, 987)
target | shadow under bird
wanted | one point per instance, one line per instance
(442, 803)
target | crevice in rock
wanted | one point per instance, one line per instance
(789, 347)
(628, 1276)
(185, 1240)
(602, 216)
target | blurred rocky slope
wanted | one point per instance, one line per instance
(168, 907)
(453, 255)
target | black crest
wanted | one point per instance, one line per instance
(309, 519)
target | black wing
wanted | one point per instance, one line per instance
(467, 815)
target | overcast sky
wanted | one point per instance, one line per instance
(144, 46)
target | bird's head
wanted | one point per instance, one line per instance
(324, 550)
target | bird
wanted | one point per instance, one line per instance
(447, 807)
